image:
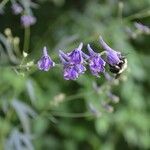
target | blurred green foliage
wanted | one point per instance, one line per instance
(30, 100)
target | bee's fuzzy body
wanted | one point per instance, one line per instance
(119, 68)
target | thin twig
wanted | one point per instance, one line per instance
(72, 115)
(141, 14)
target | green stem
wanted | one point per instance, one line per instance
(71, 98)
(120, 11)
(26, 39)
(72, 115)
(142, 14)
(76, 96)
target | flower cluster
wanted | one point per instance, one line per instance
(16, 8)
(74, 63)
(27, 19)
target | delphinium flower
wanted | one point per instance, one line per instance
(117, 62)
(94, 110)
(70, 71)
(17, 8)
(45, 63)
(28, 20)
(114, 98)
(113, 57)
(142, 28)
(73, 63)
(96, 63)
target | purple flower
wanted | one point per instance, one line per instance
(81, 69)
(16, 8)
(45, 63)
(96, 63)
(28, 20)
(70, 72)
(113, 57)
(142, 28)
(72, 63)
(76, 55)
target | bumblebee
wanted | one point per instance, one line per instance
(119, 68)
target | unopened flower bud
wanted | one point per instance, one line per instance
(7, 31)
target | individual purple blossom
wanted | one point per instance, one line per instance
(17, 8)
(28, 20)
(75, 57)
(71, 72)
(45, 63)
(72, 63)
(96, 63)
(113, 57)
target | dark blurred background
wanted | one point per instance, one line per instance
(40, 110)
